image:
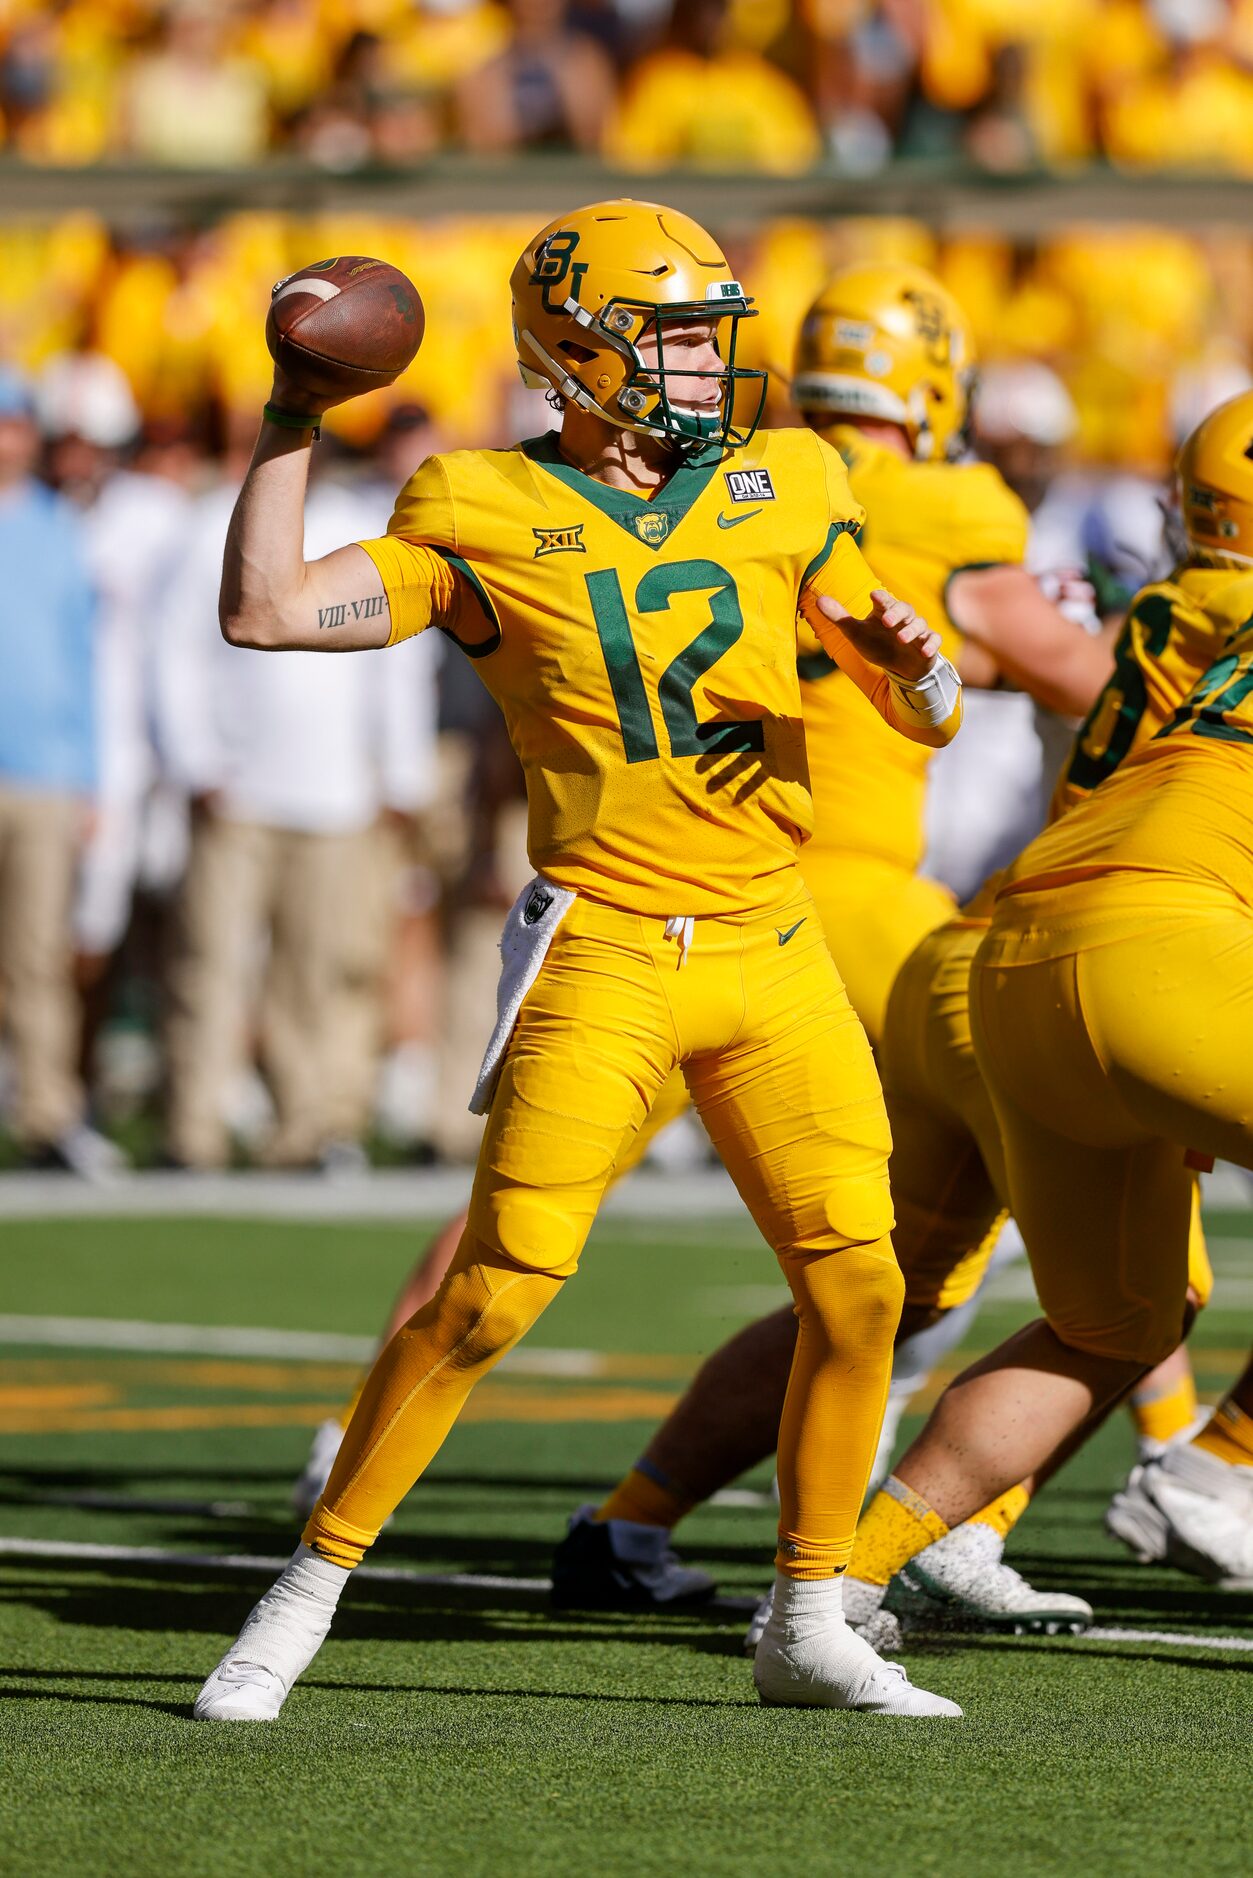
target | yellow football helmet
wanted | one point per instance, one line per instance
(1215, 471)
(592, 282)
(887, 340)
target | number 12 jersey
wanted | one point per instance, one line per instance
(644, 652)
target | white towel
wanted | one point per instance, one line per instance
(532, 920)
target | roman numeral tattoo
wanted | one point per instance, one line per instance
(369, 608)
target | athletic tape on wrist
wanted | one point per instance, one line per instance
(933, 699)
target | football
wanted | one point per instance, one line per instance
(344, 326)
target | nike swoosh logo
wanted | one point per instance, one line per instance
(792, 930)
(733, 521)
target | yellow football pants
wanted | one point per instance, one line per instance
(948, 1174)
(949, 1185)
(874, 913)
(783, 1078)
(1105, 1065)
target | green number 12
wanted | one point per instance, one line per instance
(725, 736)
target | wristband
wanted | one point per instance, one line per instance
(291, 420)
(932, 699)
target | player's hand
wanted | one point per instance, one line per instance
(290, 395)
(891, 637)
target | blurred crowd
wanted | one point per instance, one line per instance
(775, 85)
(1138, 321)
(236, 893)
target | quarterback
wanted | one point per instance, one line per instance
(630, 587)
(1110, 1004)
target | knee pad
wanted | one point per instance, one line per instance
(855, 1294)
(529, 1229)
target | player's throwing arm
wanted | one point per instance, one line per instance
(335, 329)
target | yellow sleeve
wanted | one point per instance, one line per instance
(838, 568)
(426, 581)
(842, 571)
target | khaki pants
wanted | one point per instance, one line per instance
(38, 849)
(321, 900)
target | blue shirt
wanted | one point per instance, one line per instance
(47, 615)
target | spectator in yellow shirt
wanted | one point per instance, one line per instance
(701, 102)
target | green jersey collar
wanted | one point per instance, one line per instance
(650, 522)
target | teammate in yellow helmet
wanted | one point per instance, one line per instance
(630, 587)
(1112, 1005)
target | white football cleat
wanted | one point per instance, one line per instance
(812, 1658)
(757, 1623)
(864, 1613)
(327, 1440)
(1191, 1510)
(961, 1582)
(281, 1637)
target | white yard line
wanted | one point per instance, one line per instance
(399, 1195)
(84, 1553)
(1166, 1636)
(138, 1335)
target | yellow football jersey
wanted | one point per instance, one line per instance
(926, 522)
(644, 653)
(1181, 803)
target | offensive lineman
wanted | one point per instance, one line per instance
(1110, 1005)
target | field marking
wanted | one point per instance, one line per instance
(402, 1196)
(1101, 1635)
(141, 1336)
(85, 1552)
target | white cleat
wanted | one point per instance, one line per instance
(280, 1639)
(1191, 1510)
(240, 1691)
(816, 1660)
(757, 1623)
(863, 1612)
(327, 1440)
(962, 1582)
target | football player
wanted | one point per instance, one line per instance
(629, 586)
(1111, 1003)
(884, 371)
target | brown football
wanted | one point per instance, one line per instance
(344, 326)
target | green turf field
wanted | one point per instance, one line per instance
(468, 1730)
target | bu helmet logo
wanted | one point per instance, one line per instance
(554, 260)
(652, 528)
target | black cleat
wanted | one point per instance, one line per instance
(616, 1565)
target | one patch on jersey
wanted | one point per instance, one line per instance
(749, 485)
(558, 541)
(653, 527)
